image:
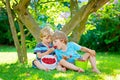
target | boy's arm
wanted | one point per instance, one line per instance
(87, 50)
(40, 55)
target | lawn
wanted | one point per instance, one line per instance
(10, 69)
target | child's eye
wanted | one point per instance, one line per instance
(48, 37)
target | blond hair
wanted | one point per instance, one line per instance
(60, 35)
(46, 31)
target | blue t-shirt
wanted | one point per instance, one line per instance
(42, 48)
(71, 52)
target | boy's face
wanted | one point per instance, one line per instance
(58, 43)
(46, 39)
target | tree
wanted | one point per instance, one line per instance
(80, 18)
(22, 56)
(76, 24)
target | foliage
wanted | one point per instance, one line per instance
(111, 71)
(6, 37)
(106, 36)
(31, 44)
(49, 12)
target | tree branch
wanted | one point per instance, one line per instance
(24, 4)
(85, 10)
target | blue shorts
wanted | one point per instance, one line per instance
(33, 65)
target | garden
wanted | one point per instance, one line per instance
(91, 23)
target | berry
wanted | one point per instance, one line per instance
(49, 60)
(55, 47)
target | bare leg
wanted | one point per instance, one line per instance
(39, 65)
(60, 68)
(70, 66)
(92, 60)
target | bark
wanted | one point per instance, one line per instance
(81, 17)
(13, 30)
(73, 7)
(26, 19)
(23, 45)
(77, 32)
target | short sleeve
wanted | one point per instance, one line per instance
(40, 48)
(75, 46)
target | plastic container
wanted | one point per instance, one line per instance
(49, 61)
(81, 64)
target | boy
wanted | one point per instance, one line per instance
(44, 48)
(67, 52)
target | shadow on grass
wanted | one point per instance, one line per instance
(108, 64)
(24, 72)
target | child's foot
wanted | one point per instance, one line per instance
(96, 71)
(80, 70)
(46, 69)
(63, 69)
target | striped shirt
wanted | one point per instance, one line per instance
(42, 48)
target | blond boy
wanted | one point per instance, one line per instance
(66, 53)
(44, 48)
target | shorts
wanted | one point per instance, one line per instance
(33, 65)
(81, 59)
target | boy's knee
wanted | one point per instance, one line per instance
(35, 62)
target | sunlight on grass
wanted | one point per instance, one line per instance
(11, 57)
(108, 65)
(117, 70)
(112, 77)
(82, 77)
(6, 57)
(29, 77)
(58, 75)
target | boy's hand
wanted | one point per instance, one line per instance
(65, 57)
(39, 55)
(50, 50)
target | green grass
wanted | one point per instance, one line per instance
(5, 48)
(10, 69)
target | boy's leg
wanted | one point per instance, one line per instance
(70, 66)
(92, 60)
(60, 68)
(39, 65)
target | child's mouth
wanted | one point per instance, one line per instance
(55, 47)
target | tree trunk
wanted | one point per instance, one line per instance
(23, 45)
(13, 30)
(73, 7)
(77, 32)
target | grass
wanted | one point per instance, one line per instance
(5, 48)
(10, 69)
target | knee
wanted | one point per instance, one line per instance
(35, 62)
(62, 61)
